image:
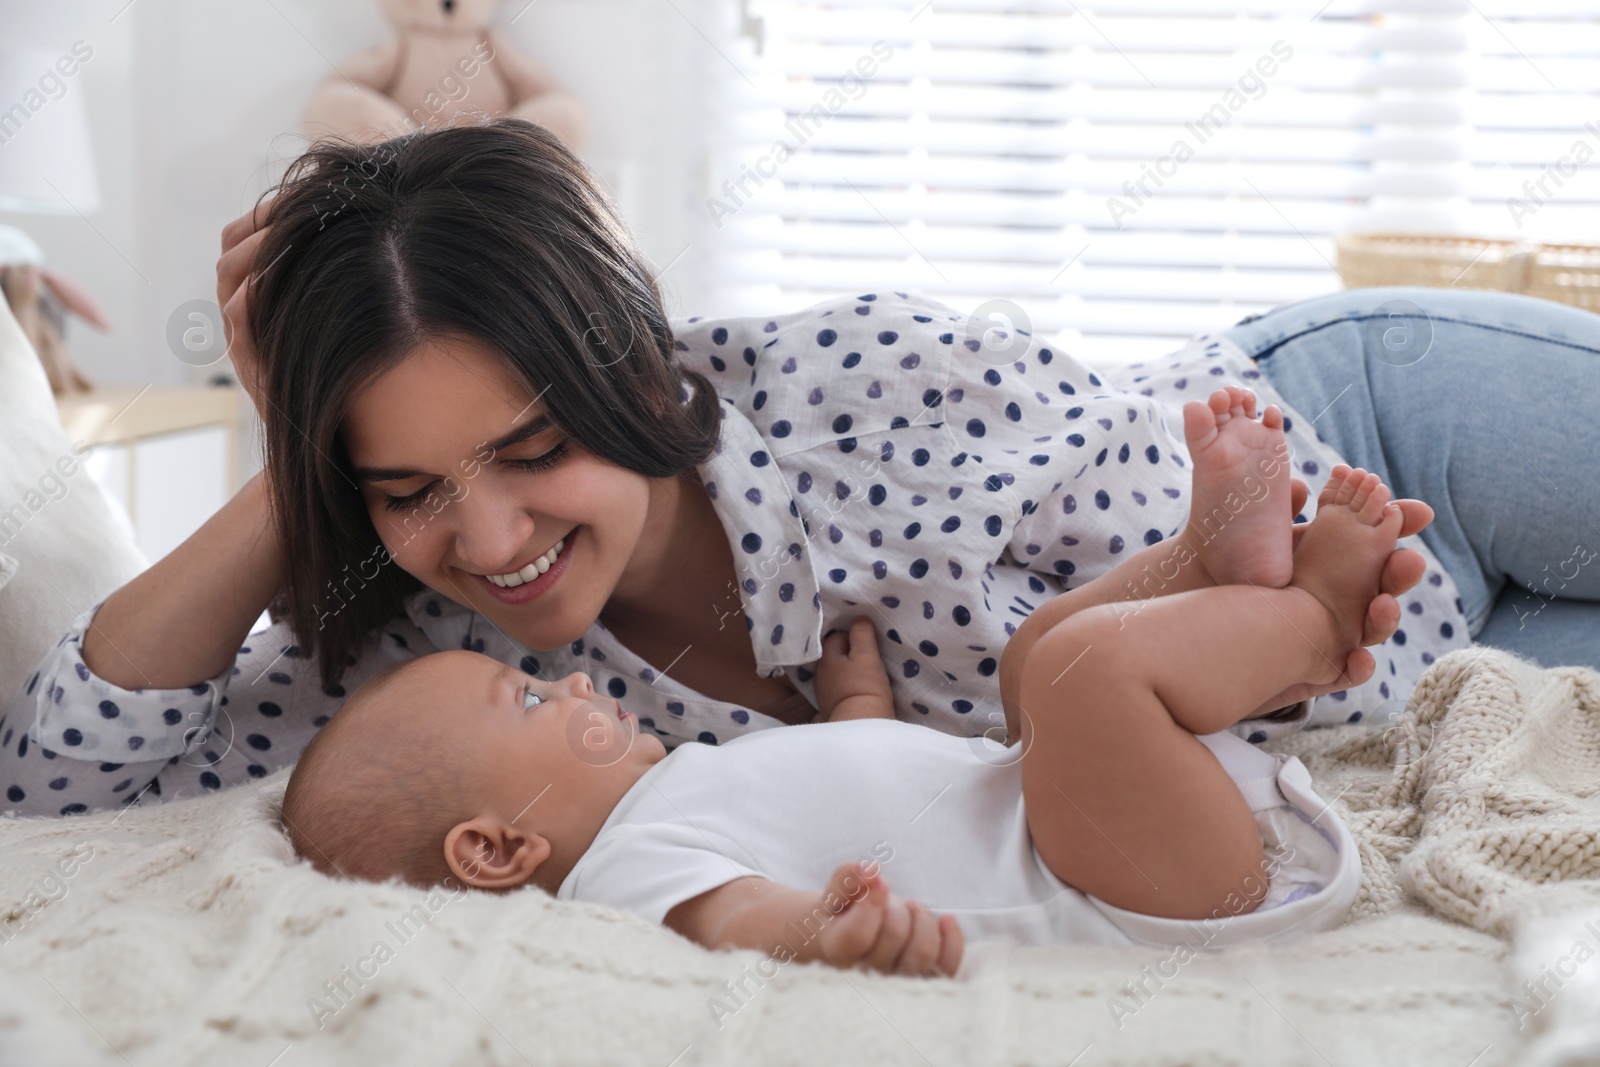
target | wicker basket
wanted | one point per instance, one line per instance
(1569, 274)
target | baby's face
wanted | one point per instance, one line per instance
(525, 736)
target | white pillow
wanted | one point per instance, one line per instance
(61, 550)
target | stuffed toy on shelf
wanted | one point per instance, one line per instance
(445, 62)
(40, 298)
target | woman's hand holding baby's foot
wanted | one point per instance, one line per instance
(878, 930)
(1403, 570)
(1342, 560)
(1235, 455)
(1243, 507)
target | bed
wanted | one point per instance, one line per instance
(189, 933)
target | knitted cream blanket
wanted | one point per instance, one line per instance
(187, 933)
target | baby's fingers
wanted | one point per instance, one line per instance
(892, 934)
(850, 933)
(863, 638)
(849, 936)
(921, 951)
(952, 945)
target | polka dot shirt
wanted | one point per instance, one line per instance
(877, 457)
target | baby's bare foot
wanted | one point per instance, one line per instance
(1341, 558)
(1241, 514)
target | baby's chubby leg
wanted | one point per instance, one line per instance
(1240, 532)
(1123, 802)
(1162, 569)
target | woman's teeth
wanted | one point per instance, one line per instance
(530, 572)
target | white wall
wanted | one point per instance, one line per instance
(193, 106)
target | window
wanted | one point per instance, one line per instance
(1131, 173)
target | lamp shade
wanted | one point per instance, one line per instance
(46, 161)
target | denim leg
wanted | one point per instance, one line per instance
(1551, 632)
(1483, 404)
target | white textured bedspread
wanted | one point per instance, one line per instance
(187, 933)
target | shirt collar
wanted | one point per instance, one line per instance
(442, 621)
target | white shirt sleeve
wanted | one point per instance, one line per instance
(72, 742)
(651, 868)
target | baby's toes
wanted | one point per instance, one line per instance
(1391, 521)
(1272, 418)
(1372, 508)
(1329, 493)
(1199, 424)
(1249, 401)
(1347, 489)
(1220, 402)
(1364, 489)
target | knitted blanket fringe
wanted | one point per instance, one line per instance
(1483, 800)
(188, 933)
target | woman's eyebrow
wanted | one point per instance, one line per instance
(380, 474)
(532, 428)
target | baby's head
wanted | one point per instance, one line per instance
(457, 765)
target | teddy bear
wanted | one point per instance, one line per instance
(444, 63)
(40, 298)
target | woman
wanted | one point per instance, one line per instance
(481, 433)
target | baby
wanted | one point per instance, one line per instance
(1120, 813)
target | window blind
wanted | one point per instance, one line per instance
(1129, 173)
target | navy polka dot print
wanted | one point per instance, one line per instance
(868, 463)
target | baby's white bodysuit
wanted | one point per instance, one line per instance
(943, 817)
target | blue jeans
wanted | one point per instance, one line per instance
(1487, 406)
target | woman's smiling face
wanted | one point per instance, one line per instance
(470, 485)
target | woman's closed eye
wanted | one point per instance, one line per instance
(405, 503)
(539, 463)
(531, 466)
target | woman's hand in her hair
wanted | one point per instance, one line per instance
(235, 267)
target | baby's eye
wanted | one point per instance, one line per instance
(530, 698)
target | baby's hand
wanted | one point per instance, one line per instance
(851, 682)
(878, 930)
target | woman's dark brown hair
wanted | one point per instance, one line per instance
(493, 232)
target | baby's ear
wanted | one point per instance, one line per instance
(490, 854)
